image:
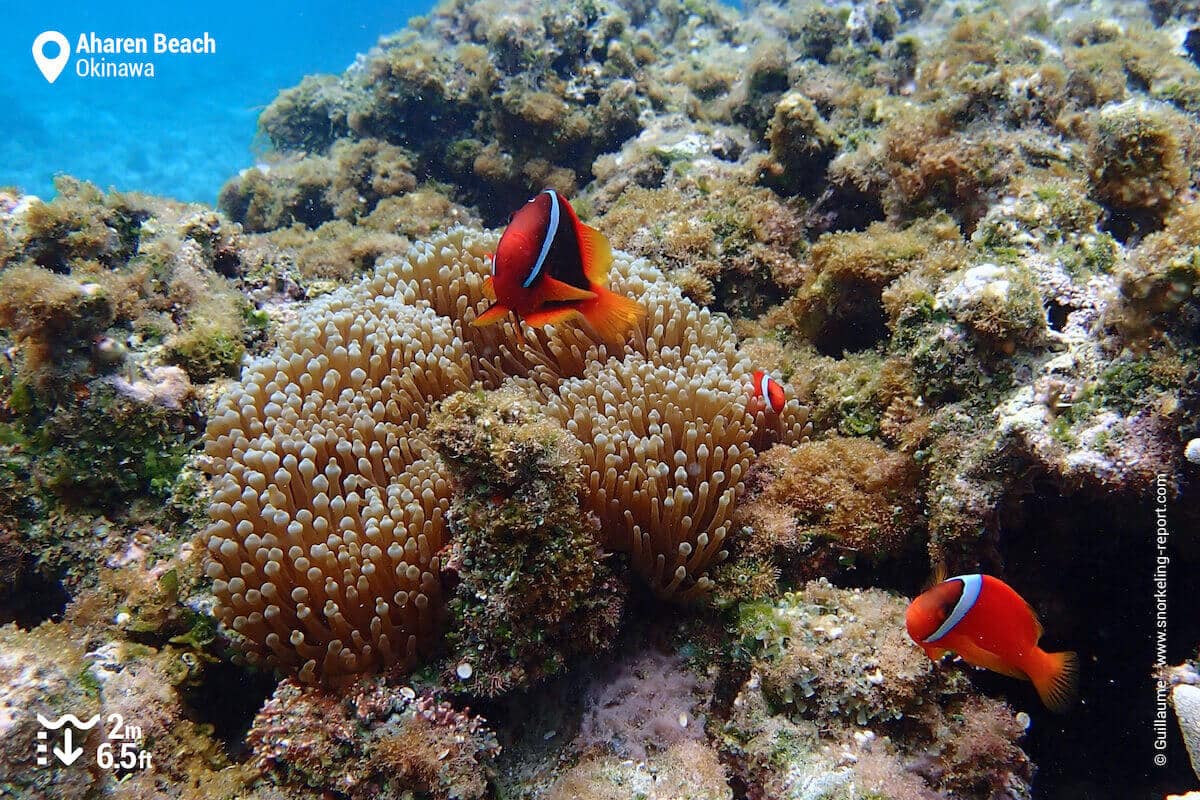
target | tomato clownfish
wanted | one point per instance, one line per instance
(769, 390)
(549, 267)
(988, 624)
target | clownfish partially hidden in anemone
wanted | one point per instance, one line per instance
(769, 391)
(986, 623)
(550, 267)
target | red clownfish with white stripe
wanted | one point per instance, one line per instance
(549, 267)
(769, 390)
(986, 623)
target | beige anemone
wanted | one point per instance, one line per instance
(330, 507)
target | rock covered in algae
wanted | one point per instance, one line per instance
(33, 680)
(838, 700)
(685, 769)
(532, 591)
(371, 740)
(94, 280)
(824, 505)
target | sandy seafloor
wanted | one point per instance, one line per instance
(278, 521)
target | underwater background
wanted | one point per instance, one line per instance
(916, 292)
(185, 132)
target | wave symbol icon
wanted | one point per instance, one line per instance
(64, 719)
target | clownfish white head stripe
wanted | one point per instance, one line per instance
(551, 232)
(972, 584)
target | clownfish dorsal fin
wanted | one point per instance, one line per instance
(1037, 623)
(558, 291)
(938, 575)
(595, 252)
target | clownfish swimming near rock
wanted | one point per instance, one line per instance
(550, 267)
(986, 623)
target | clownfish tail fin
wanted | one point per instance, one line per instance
(612, 315)
(1058, 682)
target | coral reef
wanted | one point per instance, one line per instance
(95, 280)
(838, 305)
(802, 145)
(963, 238)
(347, 185)
(97, 422)
(1137, 159)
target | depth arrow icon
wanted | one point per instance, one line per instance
(66, 754)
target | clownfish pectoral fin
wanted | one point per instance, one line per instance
(493, 315)
(489, 288)
(1057, 680)
(973, 654)
(934, 653)
(595, 252)
(551, 316)
(556, 291)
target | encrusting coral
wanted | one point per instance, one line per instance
(330, 508)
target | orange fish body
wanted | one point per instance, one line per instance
(769, 391)
(550, 267)
(985, 622)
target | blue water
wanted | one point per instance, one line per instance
(185, 131)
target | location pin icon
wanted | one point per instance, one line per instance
(51, 67)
